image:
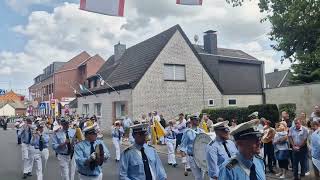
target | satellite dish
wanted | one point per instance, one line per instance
(196, 38)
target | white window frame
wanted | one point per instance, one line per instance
(232, 104)
(85, 111)
(174, 72)
(211, 105)
(96, 109)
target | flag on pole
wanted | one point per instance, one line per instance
(189, 2)
(84, 89)
(107, 7)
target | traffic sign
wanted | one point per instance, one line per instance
(2, 92)
(42, 106)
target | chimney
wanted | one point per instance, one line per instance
(275, 70)
(210, 42)
(119, 50)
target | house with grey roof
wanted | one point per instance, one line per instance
(278, 78)
(169, 74)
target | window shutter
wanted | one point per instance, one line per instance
(180, 73)
(168, 72)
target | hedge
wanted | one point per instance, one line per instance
(268, 111)
(289, 108)
(228, 113)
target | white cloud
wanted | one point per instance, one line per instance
(62, 34)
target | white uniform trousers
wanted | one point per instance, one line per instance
(38, 161)
(27, 157)
(45, 157)
(72, 168)
(196, 171)
(82, 177)
(116, 143)
(171, 144)
(64, 162)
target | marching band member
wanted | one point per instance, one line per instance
(40, 141)
(62, 143)
(220, 149)
(171, 132)
(25, 133)
(187, 146)
(87, 159)
(246, 165)
(182, 126)
(141, 161)
(78, 138)
(18, 124)
(117, 132)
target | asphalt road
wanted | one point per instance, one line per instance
(11, 163)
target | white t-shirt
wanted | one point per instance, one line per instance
(314, 117)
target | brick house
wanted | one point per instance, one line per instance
(168, 74)
(62, 78)
(12, 104)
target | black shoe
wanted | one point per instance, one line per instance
(175, 165)
(189, 170)
(24, 176)
(170, 164)
(272, 171)
(29, 174)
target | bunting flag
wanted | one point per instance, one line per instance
(190, 2)
(107, 7)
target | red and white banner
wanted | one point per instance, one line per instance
(107, 7)
(189, 2)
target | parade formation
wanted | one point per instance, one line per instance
(83, 105)
(230, 153)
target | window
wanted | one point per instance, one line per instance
(120, 110)
(95, 82)
(174, 72)
(97, 109)
(232, 102)
(211, 102)
(89, 84)
(85, 109)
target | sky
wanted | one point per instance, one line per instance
(34, 33)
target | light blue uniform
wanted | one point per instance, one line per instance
(24, 134)
(239, 168)
(216, 155)
(59, 137)
(117, 133)
(188, 139)
(315, 148)
(187, 147)
(82, 153)
(132, 167)
(35, 141)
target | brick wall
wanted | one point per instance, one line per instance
(170, 97)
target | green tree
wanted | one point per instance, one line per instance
(296, 31)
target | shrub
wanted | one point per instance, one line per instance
(228, 113)
(290, 108)
(268, 111)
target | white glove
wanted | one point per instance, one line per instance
(93, 156)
